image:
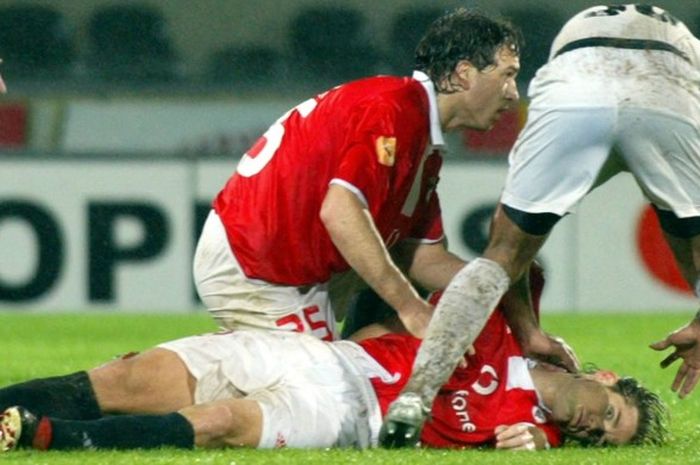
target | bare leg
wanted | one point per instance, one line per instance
(154, 382)
(511, 247)
(226, 423)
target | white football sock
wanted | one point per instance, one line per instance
(459, 317)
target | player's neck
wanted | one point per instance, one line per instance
(451, 111)
(444, 110)
(549, 383)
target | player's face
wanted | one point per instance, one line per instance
(492, 90)
(591, 410)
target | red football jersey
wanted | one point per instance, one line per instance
(494, 389)
(371, 136)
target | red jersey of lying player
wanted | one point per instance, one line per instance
(376, 137)
(494, 389)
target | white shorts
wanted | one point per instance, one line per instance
(312, 393)
(236, 302)
(586, 124)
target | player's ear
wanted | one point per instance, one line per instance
(605, 377)
(463, 75)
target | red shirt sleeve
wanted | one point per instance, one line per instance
(361, 166)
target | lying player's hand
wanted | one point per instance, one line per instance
(520, 436)
(686, 341)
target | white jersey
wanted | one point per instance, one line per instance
(624, 55)
(629, 22)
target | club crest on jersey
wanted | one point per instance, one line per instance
(386, 150)
(487, 382)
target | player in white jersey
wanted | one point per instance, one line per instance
(621, 92)
(628, 23)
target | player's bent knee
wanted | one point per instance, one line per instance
(125, 374)
(153, 382)
(108, 382)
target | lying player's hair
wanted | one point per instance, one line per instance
(463, 35)
(653, 413)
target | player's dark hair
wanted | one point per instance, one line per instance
(653, 413)
(463, 35)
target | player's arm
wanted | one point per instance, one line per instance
(430, 265)
(353, 232)
(517, 306)
(521, 436)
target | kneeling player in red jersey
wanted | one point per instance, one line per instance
(267, 390)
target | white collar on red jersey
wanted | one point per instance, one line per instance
(532, 363)
(436, 137)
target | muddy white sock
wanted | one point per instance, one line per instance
(459, 317)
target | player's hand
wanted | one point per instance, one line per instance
(520, 436)
(553, 350)
(686, 342)
(416, 317)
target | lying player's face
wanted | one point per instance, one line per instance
(591, 410)
(493, 90)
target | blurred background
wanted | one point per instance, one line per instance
(56, 52)
(124, 118)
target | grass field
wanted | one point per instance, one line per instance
(43, 345)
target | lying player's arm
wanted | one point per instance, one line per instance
(353, 232)
(520, 436)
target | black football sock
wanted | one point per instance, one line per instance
(70, 396)
(116, 432)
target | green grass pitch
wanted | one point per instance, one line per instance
(35, 345)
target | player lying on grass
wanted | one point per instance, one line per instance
(277, 389)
